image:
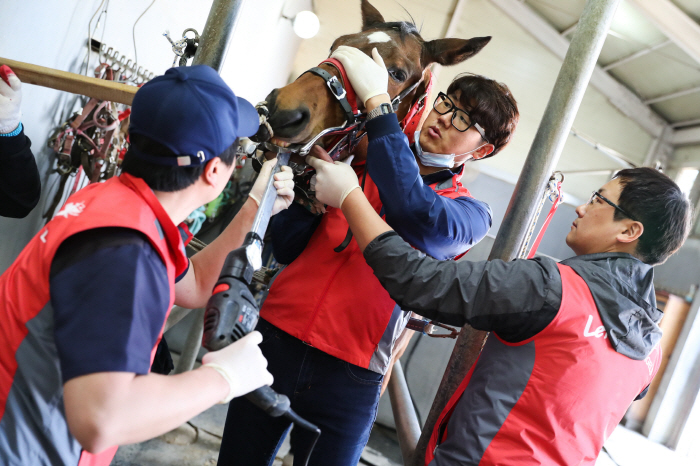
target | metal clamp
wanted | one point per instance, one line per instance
(332, 131)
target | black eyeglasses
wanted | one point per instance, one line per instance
(460, 118)
(617, 207)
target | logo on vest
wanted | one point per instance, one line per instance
(599, 332)
(650, 364)
(72, 208)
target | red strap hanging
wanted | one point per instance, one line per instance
(540, 235)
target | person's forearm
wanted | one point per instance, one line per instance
(147, 405)
(206, 264)
(364, 222)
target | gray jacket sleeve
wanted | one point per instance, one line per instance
(515, 299)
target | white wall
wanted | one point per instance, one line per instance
(54, 33)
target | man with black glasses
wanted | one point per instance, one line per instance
(329, 328)
(573, 343)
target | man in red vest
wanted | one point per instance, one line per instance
(573, 344)
(84, 305)
(329, 328)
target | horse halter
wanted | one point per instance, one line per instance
(354, 120)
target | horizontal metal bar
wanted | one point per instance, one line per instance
(569, 30)
(672, 95)
(680, 124)
(636, 55)
(607, 151)
(607, 171)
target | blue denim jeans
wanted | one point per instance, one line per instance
(340, 398)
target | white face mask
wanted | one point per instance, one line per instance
(430, 159)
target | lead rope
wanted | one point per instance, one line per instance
(554, 193)
(263, 114)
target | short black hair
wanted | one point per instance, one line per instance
(166, 178)
(659, 204)
(490, 104)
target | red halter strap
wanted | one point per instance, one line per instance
(411, 121)
(352, 98)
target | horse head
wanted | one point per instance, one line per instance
(302, 109)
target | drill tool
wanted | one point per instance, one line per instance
(232, 312)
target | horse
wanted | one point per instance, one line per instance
(299, 111)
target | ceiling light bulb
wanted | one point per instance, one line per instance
(306, 24)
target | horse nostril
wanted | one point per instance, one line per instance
(289, 123)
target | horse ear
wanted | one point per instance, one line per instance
(452, 51)
(370, 16)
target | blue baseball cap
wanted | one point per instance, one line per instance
(191, 111)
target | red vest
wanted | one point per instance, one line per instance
(333, 301)
(569, 389)
(119, 202)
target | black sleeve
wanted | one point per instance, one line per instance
(20, 186)
(515, 299)
(291, 231)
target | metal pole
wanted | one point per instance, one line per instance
(216, 36)
(212, 49)
(570, 86)
(404, 414)
(192, 343)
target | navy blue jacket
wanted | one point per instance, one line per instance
(439, 226)
(20, 186)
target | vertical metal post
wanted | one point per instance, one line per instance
(546, 148)
(216, 36)
(190, 349)
(212, 49)
(404, 414)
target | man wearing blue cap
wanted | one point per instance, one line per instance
(84, 305)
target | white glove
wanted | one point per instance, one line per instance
(334, 181)
(369, 78)
(241, 364)
(312, 181)
(10, 100)
(284, 183)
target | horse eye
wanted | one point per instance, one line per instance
(397, 75)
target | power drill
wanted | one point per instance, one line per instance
(231, 312)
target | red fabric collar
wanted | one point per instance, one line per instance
(350, 92)
(170, 231)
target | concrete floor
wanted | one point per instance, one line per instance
(197, 443)
(628, 448)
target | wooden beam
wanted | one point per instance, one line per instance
(71, 82)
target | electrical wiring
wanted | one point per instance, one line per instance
(133, 29)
